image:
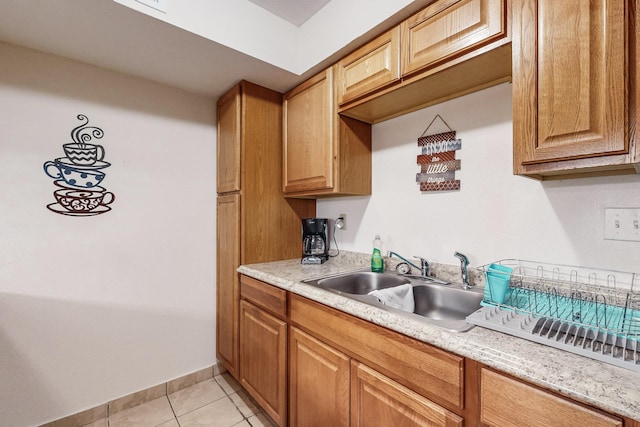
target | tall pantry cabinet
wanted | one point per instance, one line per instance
(255, 223)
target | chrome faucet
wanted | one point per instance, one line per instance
(464, 263)
(424, 264)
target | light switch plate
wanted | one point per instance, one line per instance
(622, 224)
(160, 5)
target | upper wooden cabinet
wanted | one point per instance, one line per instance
(449, 28)
(324, 154)
(449, 49)
(228, 147)
(309, 135)
(373, 66)
(574, 87)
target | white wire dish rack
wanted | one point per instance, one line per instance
(587, 311)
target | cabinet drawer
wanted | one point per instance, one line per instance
(371, 67)
(505, 401)
(448, 29)
(429, 371)
(267, 297)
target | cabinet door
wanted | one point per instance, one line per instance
(441, 374)
(318, 383)
(263, 346)
(448, 29)
(228, 142)
(569, 80)
(379, 401)
(371, 67)
(507, 402)
(309, 135)
(227, 281)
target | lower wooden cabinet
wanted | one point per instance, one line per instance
(508, 402)
(379, 401)
(318, 383)
(263, 348)
(340, 371)
(328, 388)
(310, 365)
(227, 283)
(429, 371)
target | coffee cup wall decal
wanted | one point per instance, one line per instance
(83, 154)
(72, 175)
(79, 174)
(83, 200)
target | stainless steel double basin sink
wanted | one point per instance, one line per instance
(437, 303)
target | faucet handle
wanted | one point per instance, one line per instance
(421, 259)
(462, 257)
(424, 264)
(464, 263)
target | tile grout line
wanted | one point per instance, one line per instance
(228, 391)
(166, 393)
(208, 403)
(244, 418)
(175, 416)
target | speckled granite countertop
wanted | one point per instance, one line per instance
(605, 386)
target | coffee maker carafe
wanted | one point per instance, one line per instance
(315, 246)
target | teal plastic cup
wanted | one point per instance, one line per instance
(497, 282)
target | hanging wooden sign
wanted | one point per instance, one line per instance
(437, 160)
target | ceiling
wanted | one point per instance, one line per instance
(295, 11)
(108, 34)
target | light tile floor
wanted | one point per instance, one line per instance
(216, 402)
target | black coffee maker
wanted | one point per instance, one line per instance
(315, 246)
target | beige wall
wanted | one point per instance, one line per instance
(495, 215)
(93, 308)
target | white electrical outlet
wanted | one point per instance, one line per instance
(344, 221)
(160, 5)
(622, 224)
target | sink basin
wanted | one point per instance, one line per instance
(439, 302)
(361, 283)
(446, 306)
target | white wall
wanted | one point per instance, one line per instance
(495, 215)
(352, 19)
(248, 28)
(93, 308)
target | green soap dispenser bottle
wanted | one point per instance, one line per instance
(377, 264)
